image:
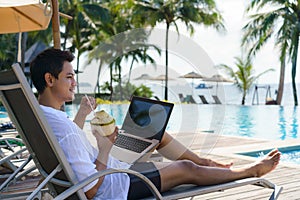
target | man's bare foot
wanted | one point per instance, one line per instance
(267, 164)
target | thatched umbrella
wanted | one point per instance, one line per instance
(217, 78)
(162, 78)
(144, 77)
(192, 75)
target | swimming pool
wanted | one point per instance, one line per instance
(264, 122)
(289, 155)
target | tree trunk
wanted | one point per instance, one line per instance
(167, 63)
(111, 81)
(120, 82)
(97, 88)
(243, 99)
(130, 70)
(281, 83)
(77, 77)
(294, 66)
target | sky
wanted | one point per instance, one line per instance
(223, 48)
(207, 47)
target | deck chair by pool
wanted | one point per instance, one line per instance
(49, 158)
(190, 99)
(181, 98)
(24, 111)
(203, 99)
(216, 99)
(13, 160)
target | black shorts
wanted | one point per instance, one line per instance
(138, 189)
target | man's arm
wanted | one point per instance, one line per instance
(84, 110)
(104, 146)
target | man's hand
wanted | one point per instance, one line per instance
(84, 110)
(86, 105)
(105, 143)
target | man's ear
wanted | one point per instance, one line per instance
(49, 79)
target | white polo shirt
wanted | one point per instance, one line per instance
(82, 155)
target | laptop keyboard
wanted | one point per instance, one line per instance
(131, 143)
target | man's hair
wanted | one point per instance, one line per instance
(49, 61)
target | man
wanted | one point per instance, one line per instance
(54, 78)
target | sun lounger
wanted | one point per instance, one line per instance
(216, 99)
(203, 99)
(181, 98)
(190, 99)
(13, 160)
(25, 112)
(50, 159)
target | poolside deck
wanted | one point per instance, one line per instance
(224, 148)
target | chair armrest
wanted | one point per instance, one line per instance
(99, 174)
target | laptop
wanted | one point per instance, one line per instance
(142, 129)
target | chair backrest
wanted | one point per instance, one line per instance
(190, 99)
(181, 98)
(25, 112)
(203, 99)
(216, 98)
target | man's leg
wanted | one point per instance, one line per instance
(172, 149)
(181, 172)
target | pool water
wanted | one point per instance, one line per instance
(264, 122)
(290, 155)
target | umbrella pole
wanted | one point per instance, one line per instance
(19, 47)
(55, 25)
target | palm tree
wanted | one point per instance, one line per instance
(86, 15)
(170, 12)
(283, 22)
(8, 50)
(244, 75)
(118, 41)
(130, 45)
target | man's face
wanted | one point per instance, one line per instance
(64, 86)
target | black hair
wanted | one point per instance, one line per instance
(49, 61)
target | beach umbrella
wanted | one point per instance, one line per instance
(162, 78)
(192, 75)
(23, 16)
(217, 78)
(144, 77)
(17, 16)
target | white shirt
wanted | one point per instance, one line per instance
(81, 155)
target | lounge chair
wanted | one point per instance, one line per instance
(216, 99)
(50, 159)
(181, 98)
(203, 99)
(190, 99)
(13, 160)
(25, 112)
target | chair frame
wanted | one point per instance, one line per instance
(58, 174)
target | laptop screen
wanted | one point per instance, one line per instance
(147, 118)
